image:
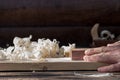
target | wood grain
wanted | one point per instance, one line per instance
(46, 66)
(62, 75)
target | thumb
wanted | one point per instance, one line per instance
(110, 68)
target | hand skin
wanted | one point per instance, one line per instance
(107, 54)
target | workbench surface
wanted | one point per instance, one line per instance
(59, 75)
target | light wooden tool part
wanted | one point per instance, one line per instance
(78, 53)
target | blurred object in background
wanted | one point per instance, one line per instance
(106, 37)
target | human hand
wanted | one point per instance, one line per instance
(106, 54)
(114, 44)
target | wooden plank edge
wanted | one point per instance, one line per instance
(48, 66)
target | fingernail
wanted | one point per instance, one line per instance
(87, 51)
(101, 70)
(85, 58)
(109, 45)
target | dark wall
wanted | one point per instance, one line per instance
(59, 12)
(69, 21)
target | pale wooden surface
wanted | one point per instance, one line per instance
(54, 76)
(49, 64)
(52, 70)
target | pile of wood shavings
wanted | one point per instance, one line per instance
(25, 49)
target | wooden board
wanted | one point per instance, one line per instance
(49, 64)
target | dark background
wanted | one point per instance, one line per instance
(68, 21)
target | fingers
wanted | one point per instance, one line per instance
(94, 50)
(95, 58)
(114, 44)
(102, 57)
(110, 68)
(109, 47)
(100, 50)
